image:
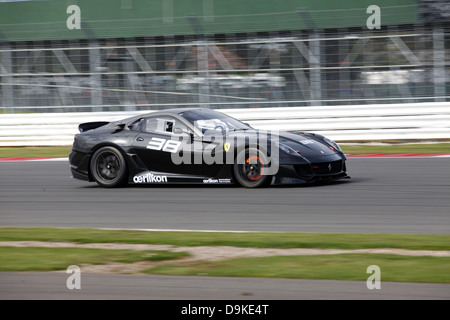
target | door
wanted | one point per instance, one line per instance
(166, 144)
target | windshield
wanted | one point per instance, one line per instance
(207, 119)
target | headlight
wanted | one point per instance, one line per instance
(332, 143)
(285, 148)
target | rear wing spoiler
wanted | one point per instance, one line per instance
(91, 125)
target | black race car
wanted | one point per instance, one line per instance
(196, 145)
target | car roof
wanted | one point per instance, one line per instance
(173, 112)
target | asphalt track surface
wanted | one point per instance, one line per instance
(385, 195)
(400, 195)
(52, 285)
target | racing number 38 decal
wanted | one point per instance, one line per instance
(164, 145)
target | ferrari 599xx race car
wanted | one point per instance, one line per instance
(196, 145)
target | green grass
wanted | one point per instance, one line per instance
(250, 239)
(397, 149)
(327, 267)
(34, 152)
(48, 259)
(57, 152)
(350, 266)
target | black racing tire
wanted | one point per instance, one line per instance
(248, 173)
(108, 167)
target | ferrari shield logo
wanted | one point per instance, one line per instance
(226, 146)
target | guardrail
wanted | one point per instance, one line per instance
(354, 123)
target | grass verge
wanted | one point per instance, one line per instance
(49, 259)
(349, 266)
(62, 152)
(34, 152)
(434, 148)
(326, 267)
(250, 239)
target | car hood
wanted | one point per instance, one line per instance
(306, 144)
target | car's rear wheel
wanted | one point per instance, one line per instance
(108, 167)
(250, 168)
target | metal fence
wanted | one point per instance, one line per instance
(406, 64)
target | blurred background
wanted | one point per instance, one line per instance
(127, 55)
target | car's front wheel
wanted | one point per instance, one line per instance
(108, 167)
(250, 168)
